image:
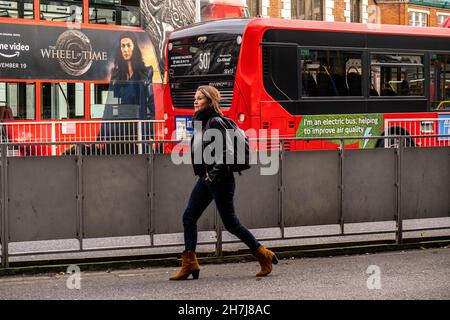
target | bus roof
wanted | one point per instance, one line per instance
(237, 26)
(223, 26)
(271, 23)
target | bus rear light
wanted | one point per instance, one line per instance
(166, 130)
(426, 127)
(241, 117)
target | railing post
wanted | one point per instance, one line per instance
(398, 184)
(53, 137)
(341, 184)
(386, 133)
(139, 137)
(151, 192)
(4, 215)
(281, 190)
(218, 225)
(80, 196)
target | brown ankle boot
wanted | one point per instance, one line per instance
(265, 258)
(189, 265)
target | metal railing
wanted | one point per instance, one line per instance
(58, 137)
(160, 211)
(424, 132)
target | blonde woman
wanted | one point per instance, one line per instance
(215, 182)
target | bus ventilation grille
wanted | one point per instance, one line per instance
(184, 98)
(276, 145)
(265, 56)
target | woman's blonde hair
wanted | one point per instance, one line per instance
(213, 96)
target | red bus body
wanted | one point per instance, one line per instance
(446, 23)
(253, 107)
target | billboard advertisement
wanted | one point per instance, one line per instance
(47, 52)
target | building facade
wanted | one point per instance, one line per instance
(326, 10)
(422, 13)
(404, 12)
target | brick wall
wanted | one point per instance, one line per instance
(338, 11)
(391, 13)
(275, 8)
(398, 13)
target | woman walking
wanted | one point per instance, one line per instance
(215, 182)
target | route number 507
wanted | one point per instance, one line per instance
(205, 60)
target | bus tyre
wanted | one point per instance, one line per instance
(394, 142)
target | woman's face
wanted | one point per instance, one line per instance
(127, 47)
(200, 101)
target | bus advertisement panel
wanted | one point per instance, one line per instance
(45, 52)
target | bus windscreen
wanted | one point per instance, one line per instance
(209, 58)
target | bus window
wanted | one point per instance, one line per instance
(99, 96)
(280, 72)
(125, 13)
(397, 75)
(331, 73)
(20, 97)
(62, 100)
(66, 10)
(22, 9)
(440, 81)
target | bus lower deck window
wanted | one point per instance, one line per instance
(19, 97)
(62, 100)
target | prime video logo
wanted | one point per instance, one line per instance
(215, 142)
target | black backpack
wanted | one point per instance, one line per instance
(241, 161)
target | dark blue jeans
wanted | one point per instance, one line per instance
(222, 192)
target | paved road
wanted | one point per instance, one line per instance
(415, 274)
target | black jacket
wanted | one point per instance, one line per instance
(217, 168)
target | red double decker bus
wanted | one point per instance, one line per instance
(219, 9)
(75, 70)
(315, 79)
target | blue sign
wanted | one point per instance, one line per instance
(444, 126)
(184, 127)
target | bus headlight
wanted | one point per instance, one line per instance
(241, 117)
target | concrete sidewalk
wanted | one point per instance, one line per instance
(410, 274)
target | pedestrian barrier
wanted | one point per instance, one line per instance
(424, 132)
(93, 134)
(86, 197)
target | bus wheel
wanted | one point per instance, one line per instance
(394, 143)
